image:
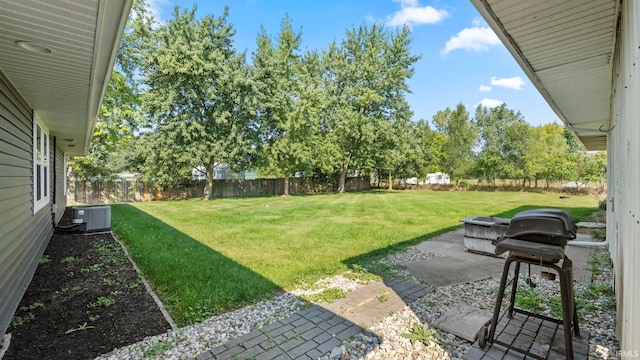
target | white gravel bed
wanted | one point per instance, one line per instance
(383, 340)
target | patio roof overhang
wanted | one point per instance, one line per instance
(59, 56)
(566, 49)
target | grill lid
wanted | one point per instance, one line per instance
(551, 226)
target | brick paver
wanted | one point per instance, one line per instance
(315, 331)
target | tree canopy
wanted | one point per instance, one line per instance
(200, 97)
(181, 97)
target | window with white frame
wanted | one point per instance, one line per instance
(41, 167)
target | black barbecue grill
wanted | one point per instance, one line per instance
(536, 237)
(546, 226)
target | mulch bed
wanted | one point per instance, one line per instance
(85, 299)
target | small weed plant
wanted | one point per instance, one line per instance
(160, 347)
(32, 307)
(102, 302)
(82, 327)
(361, 274)
(133, 285)
(382, 270)
(422, 333)
(18, 321)
(327, 296)
(69, 259)
(44, 259)
(60, 292)
(384, 296)
(599, 234)
(527, 298)
(94, 267)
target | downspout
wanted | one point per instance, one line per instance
(590, 244)
(52, 188)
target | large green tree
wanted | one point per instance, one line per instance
(498, 128)
(201, 96)
(431, 144)
(398, 151)
(365, 79)
(522, 152)
(554, 153)
(459, 138)
(287, 113)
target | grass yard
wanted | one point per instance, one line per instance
(207, 257)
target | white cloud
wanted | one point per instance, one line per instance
(478, 22)
(491, 102)
(407, 3)
(158, 8)
(515, 82)
(485, 88)
(474, 38)
(411, 13)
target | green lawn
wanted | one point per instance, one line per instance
(206, 257)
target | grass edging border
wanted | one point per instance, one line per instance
(155, 297)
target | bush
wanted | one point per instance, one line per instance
(602, 205)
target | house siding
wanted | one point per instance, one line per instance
(23, 235)
(623, 210)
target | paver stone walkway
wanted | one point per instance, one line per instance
(315, 331)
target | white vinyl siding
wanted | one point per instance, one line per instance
(41, 165)
(623, 187)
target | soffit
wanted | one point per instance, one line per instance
(566, 48)
(66, 86)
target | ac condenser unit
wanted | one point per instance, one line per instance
(94, 218)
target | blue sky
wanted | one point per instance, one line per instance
(462, 59)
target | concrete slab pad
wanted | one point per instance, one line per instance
(449, 270)
(463, 321)
(580, 257)
(453, 265)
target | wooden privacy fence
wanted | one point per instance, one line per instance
(105, 192)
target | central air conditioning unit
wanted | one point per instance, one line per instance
(93, 218)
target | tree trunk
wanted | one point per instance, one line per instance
(390, 182)
(286, 184)
(208, 189)
(343, 176)
(147, 196)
